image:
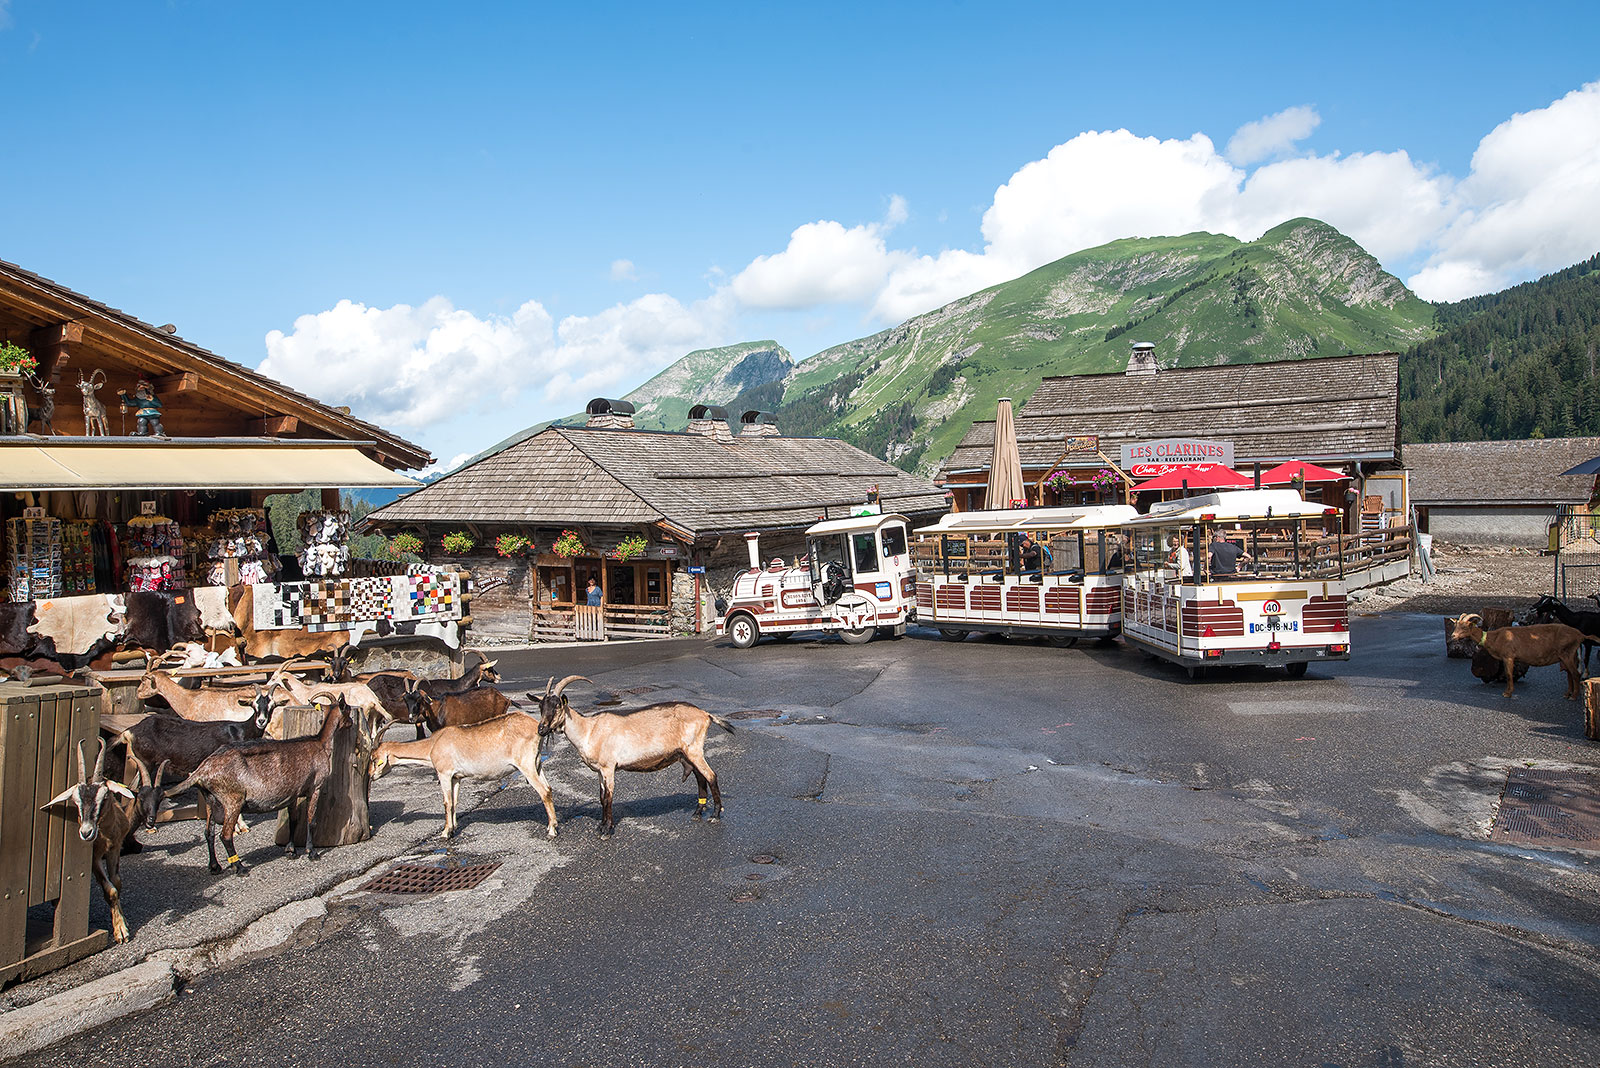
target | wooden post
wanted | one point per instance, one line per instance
(1591, 709)
(342, 816)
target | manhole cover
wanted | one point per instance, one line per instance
(636, 690)
(1544, 808)
(429, 878)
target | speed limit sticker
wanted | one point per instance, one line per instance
(1272, 608)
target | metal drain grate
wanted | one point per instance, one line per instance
(1542, 808)
(429, 878)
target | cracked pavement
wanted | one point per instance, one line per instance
(978, 853)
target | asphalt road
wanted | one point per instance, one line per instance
(985, 853)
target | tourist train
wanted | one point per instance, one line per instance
(1224, 579)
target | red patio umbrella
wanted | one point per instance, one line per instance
(1283, 474)
(1198, 477)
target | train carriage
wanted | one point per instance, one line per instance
(1044, 572)
(856, 580)
(1244, 577)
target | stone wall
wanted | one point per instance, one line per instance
(501, 587)
(1527, 526)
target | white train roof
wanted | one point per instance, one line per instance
(1233, 505)
(1003, 519)
(855, 524)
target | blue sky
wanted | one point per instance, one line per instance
(462, 219)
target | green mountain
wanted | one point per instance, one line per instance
(1301, 290)
(705, 376)
(1521, 363)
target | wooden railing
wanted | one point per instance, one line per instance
(568, 623)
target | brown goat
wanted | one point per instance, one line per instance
(477, 705)
(1537, 646)
(107, 813)
(648, 739)
(263, 776)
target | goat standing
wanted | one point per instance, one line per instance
(1549, 610)
(1537, 646)
(649, 739)
(263, 776)
(475, 751)
(107, 812)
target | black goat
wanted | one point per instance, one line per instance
(1549, 610)
(182, 744)
(107, 813)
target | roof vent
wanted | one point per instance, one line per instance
(1142, 360)
(758, 425)
(606, 414)
(710, 421)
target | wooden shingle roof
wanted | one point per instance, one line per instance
(1500, 472)
(1331, 408)
(701, 485)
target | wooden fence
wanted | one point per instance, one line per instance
(582, 623)
(41, 856)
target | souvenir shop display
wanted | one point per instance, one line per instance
(77, 557)
(36, 558)
(238, 534)
(152, 553)
(325, 534)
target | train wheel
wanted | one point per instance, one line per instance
(1064, 641)
(859, 636)
(744, 632)
(953, 635)
(1196, 671)
(1297, 669)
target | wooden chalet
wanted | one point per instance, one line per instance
(657, 517)
(1340, 412)
(1499, 492)
(231, 435)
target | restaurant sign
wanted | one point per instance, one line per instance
(1170, 452)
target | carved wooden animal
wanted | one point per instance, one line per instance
(94, 413)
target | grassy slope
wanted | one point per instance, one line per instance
(1301, 290)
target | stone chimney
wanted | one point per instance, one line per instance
(605, 414)
(754, 424)
(1142, 360)
(710, 421)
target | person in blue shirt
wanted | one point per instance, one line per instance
(593, 593)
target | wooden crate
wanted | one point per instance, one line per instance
(41, 857)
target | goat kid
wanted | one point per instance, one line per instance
(649, 739)
(391, 687)
(1538, 645)
(475, 751)
(107, 813)
(263, 776)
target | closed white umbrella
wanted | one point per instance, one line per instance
(1005, 464)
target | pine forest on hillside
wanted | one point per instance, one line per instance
(1521, 363)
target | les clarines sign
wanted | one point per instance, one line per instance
(1177, 451)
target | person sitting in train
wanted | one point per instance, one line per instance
(1115, 563)
(1030, 553)
(1180, 559)
(1225, 555)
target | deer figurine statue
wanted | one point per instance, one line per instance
(94, 413)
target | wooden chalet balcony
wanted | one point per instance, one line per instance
(577, 623)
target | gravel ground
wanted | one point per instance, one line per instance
(1470, 579)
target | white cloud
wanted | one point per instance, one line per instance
(1530, 205)
(1272, 136)
(623, 271)
(824, 263)
(414, 366)
(443, 467)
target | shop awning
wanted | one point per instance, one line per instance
(215, 464)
